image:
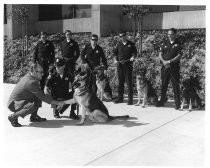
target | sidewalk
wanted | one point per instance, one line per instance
(151, 137)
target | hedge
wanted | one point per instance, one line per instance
(192, 62)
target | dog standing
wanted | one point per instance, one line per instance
(89, 102)
(144, 87)
(190, 96)
(102, 83)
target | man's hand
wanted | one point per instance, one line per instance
(61, 103)
(105, 72)
(86, 66)
(132, 58)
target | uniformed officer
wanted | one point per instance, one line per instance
(125, 53)
(58, 85)
(70, 52)
(170, 56)
(92, 55)
(44, 54)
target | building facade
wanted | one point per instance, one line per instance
(100, 19)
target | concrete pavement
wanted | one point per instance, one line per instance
(151, 137)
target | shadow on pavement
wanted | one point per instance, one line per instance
(59, 123)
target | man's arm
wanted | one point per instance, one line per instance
(35, 54)
(52, 55)
(134, 53)
(77, 51)
(83, 53)
(103, 59)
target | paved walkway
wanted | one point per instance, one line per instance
(151, 137)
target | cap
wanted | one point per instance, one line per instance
(60, 61)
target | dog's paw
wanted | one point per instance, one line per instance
(137, 104)
(79, 123)
(181, 109)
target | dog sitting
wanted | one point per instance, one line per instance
(189, 93)
(102, 83)
(89, 102)
(144, 87)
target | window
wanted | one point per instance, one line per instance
(76, 11)
(5, 14)
(50, 12)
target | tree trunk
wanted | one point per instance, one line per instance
(140, 21)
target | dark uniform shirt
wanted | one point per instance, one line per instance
(28, 88)
(170, 51)
(44, 53)
(93, 56)
(125, 52)
(70, 50)
(59, 86)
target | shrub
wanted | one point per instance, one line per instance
(192, 62)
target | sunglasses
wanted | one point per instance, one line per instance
(121, 35)
(94, 39)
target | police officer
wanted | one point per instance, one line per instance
(170, 57)
(92, 55)
(44, 54)
(58, 85)
(125, 53)
(70, 52)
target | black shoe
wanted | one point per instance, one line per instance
(14, 121)
(73, 116)
(118, 101)
(57, 116)
(177, 108)
(130, 103)
(37, 119)
(159, 104)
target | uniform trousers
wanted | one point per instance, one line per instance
(125, 74)
(170, 73)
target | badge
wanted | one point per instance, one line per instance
(96, 51)
(129, 45)
(71, 44)
(66, 78)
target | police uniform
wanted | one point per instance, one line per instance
(59, 87)
(93, 57)
(124, 52)
(44, 54)
(70, 51)
(172, 71)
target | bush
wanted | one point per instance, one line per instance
(192, 62)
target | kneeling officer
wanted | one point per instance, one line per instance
(58, 85)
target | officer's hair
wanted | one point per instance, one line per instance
(173, 30)
(43, 33)
(68, 31)
(34, 66)
(95, 36)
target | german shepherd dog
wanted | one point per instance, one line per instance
(189, 93)
(144, 87)
(102, 82)
(89, 102)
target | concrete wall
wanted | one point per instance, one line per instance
(179, 20)
(59, 26)
(110, 19)
(95, 16)
(106, 19)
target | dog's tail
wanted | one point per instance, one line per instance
(123, 117)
